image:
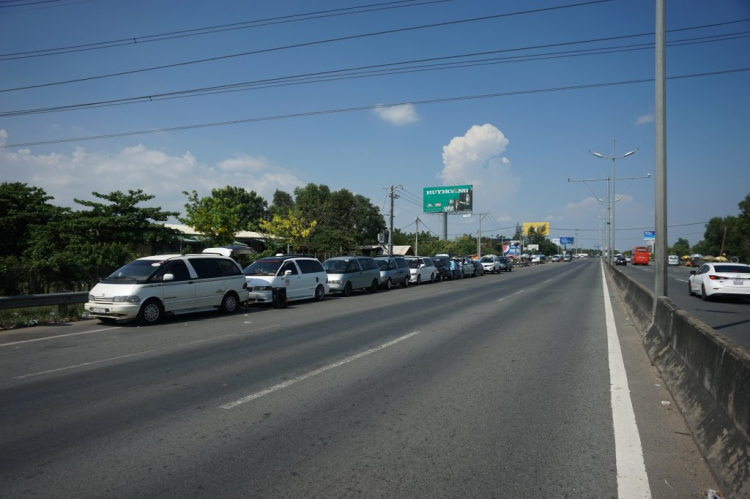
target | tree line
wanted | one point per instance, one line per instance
(47, 248)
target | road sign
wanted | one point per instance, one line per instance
(566, 240)
(649, 234)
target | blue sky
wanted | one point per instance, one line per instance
(517, 148)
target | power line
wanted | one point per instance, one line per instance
(364, 71)
(216, 29)
(370, 107)
(305, 44)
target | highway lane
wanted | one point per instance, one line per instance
(729, 316)
(483, 387)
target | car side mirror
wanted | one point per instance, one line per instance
(168, 277)
(287, 273)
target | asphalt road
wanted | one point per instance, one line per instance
(496, 386)
(730, 316)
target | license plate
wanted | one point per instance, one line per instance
(99, 310)
(739, 282)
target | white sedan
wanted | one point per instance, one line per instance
(720, 279)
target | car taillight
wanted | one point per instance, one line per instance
(717, 277)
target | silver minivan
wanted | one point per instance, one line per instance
(148, 288)
(347, 273)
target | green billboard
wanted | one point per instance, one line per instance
(448, 198)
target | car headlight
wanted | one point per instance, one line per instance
(91, 297)
(131, 299)
(262, 288)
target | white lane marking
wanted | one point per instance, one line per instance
(144, 352)
(632, 479)
(57, 336)
(681, 280)
(292, 381)
(511, 296)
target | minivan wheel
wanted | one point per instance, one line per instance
(406, 282)
(388, 284)
(229, 304)
(347, 289)
(419, 279)
(320, 292)
(151, 312)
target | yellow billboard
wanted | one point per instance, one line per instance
(541, 228)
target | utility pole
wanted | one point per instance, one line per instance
(416, 239)
(393, 196)
(660, 150)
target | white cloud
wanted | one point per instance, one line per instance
(404, 114)
(644, 119)
(476, 159)
(77, 175)
(3, 137)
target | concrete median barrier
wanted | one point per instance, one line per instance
(708, 376)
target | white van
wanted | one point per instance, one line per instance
(673, 260)
(148, 288)
(302, 276)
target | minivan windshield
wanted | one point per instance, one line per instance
(335, 266)
(263, 267)
(136, 271)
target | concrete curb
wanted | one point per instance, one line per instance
(708, 377)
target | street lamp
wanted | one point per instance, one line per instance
(612, 197)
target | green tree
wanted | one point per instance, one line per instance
(224, 213)
(681, 247)
(281, 203)
(122, 221)
(289, 230)
(21, 207)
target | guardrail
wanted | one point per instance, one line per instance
(708, 376)
(62, 300)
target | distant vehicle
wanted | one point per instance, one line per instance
(491, 264)
(422, 269)
(302, 276)
(506, 264)
(347, 273)
(620, 260)
(567, 258)
(393, 270)
(478, 267)
(442, 267)
(673, 260)
(640, 255)
(720, 279)
(628, 259)
(149, 288)
(556, 258)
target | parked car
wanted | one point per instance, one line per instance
(506, 264)
(720, 279)
(393, 270)
(422, 269)
(149, 288)
(673, 260)
(491, 264)
(442, 267)
(620, 260)
(347, 273)
(478, 267)
(303, 278)
(556, 258)
(463, 269)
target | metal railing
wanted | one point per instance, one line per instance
(62, 300)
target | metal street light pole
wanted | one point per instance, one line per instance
(614, 158)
